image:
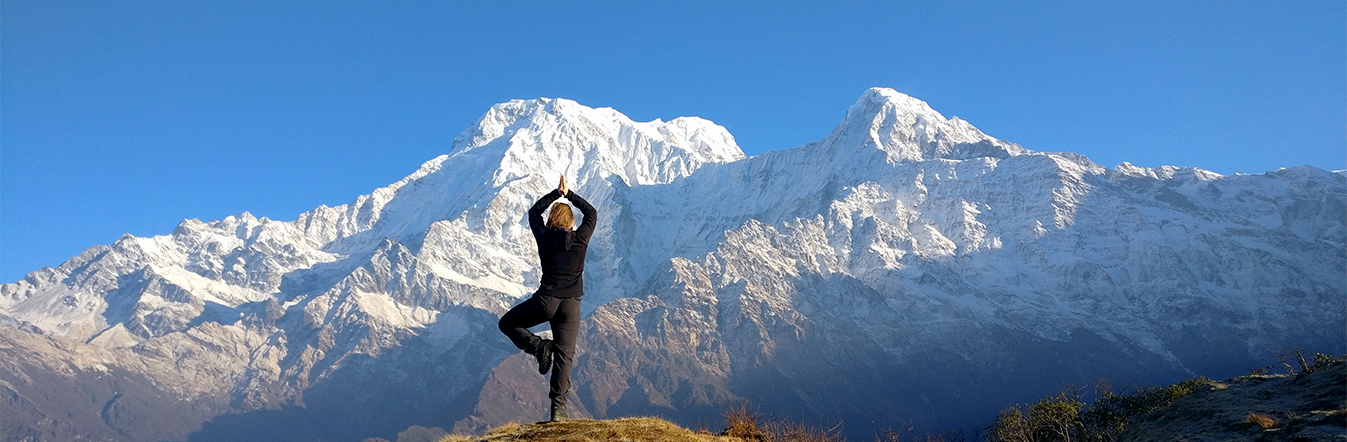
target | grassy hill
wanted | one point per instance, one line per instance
(1308, 406)
(741, 425)
(634, 429)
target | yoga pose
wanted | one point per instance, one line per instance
(557, 301)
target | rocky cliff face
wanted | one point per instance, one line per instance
(906, 266)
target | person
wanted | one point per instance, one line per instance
(557, 301)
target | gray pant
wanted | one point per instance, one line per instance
(564, 316)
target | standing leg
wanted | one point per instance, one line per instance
(516, 322)
(565, 328)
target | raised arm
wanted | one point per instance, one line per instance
(591, 216)
(536, 212)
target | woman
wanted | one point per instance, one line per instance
(557, 301)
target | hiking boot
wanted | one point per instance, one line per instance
(558, 413)
(544, 355)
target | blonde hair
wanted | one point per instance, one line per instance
(560, 217)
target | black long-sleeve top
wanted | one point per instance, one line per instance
(562, 251)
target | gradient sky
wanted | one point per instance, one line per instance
(127, 117)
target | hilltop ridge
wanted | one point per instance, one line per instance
(1310, 405)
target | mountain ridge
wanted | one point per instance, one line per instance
(902, 239)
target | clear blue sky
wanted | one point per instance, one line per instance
(127, 117)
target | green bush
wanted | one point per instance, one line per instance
(1056, 418)
(1064, 417)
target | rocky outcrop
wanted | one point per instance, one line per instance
(1307, 406)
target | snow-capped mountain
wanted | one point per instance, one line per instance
(907, 266)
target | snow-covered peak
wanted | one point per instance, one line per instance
(554, 136)
(907, 129)
(514, 153)
(877, 97)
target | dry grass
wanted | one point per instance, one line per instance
(741, 425)
(1261, 420)
(634, 429)
(750, 426)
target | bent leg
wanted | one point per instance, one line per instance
(565, 329)
(516, 322)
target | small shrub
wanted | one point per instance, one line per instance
(1319, 361)
(786, 430)
(1147, 400)
(742, 423)
(1011, 425)
(1323, 361)
(1262, 420)
(750, 426)
(1056, 418)
(1065, 417)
